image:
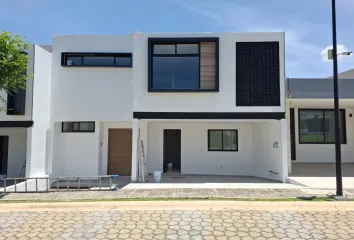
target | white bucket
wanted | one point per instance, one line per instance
(157, 176)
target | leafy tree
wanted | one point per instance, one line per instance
(13, 63)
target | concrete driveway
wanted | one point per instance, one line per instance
(321, 175)
(177, 180)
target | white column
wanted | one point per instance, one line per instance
(135, 132)
(287, 117)
(284, 150)
(37, 135)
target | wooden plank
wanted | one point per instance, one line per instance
(119, 151)
(207, 65)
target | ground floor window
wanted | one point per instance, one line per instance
(317, 126)
(78, 127)
(222, 140)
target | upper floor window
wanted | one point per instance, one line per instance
(16, 102)
(183, 64)
(97, 59)
(317, 126)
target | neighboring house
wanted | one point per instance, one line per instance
(210, 103)
(349, 74)
(311, 120)
(22, 128)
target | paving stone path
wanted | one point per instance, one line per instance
(176, 224)
(172, 193)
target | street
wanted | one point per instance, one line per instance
(177, 220)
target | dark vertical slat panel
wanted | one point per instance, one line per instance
(257, 74)
(292, 134)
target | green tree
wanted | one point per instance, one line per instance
(13, 63)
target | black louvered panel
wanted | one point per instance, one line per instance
(292, 134)
(257, 74)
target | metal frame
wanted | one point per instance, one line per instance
(64, 56)
(342, 111)
(49, 187)
(222, 140)
(181, 40)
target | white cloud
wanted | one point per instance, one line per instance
(340, 49)
(302, 54)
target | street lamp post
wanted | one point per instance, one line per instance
(336, 105)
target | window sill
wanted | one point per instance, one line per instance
(183, 90)
(321, 143)
(210, 150)
(79, 132)
(95, 66)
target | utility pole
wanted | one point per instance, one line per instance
(336, 105)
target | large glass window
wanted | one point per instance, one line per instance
(317, 126)
(222, 140)
(98, 61)
(176, 72)
(175, 66)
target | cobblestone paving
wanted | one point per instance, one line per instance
(177, 224)
(170, 193)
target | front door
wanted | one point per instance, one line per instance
(172, 148)
(119, 152)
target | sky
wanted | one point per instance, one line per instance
(306, 23)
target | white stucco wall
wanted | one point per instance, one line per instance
(29, 89)
(16, 151)
(195, 157)
(37, 143)
(266, 156)
(75, 154)
(222, 101)
(91, 93)
(325, 152)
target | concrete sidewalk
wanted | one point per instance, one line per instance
(176, 193)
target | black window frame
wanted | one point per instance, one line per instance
(16, 101)
(78, 131)
(65, 55)
(342, 114)
(175, 41)
(222, 140)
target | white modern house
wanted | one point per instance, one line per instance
(23, 119)
(209, 103)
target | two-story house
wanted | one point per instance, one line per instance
(209, 103)
(24, 119)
